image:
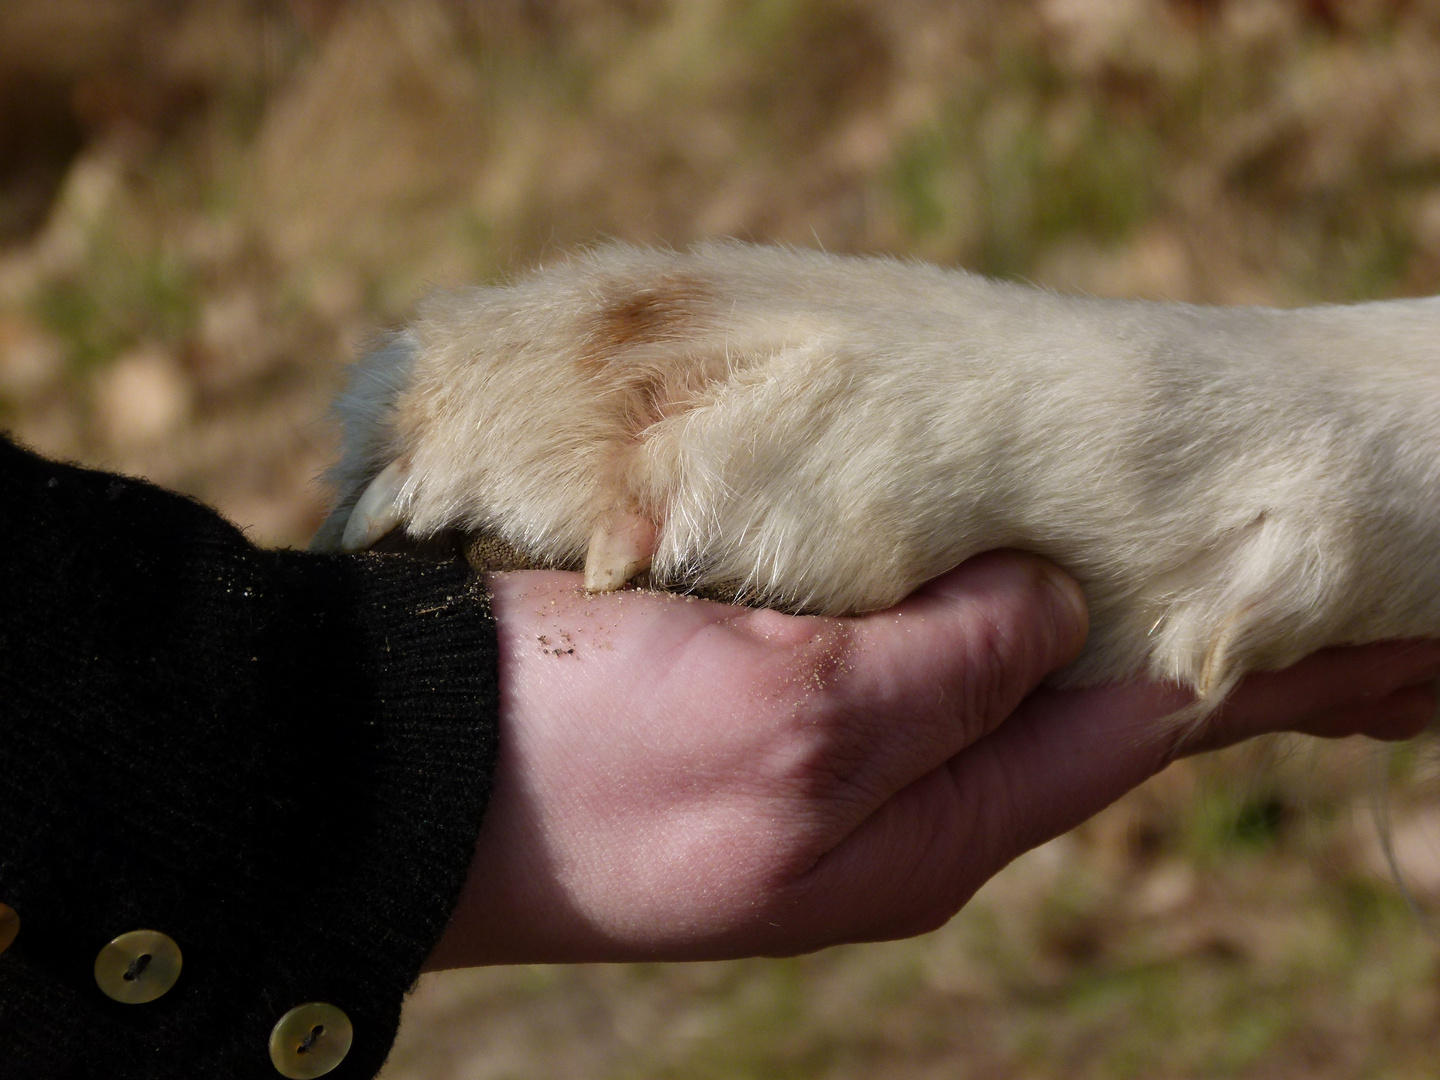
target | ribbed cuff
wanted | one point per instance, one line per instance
(393, 754)
(279, 760)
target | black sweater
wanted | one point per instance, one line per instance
(278, 759)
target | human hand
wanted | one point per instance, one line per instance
(680, 780)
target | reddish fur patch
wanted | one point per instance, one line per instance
(671, 310)
(665, 311)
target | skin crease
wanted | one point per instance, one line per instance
(681, 780)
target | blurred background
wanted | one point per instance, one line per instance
(207, 206)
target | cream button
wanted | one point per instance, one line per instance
(310, 1040)
(9, 926)
(137, 967)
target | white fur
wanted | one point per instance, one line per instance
(1233, 487)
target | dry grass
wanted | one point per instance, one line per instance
(205, 207)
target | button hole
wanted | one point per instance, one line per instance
(137, 967)
(315, 1033)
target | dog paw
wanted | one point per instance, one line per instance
(823, 435)
(635, 411)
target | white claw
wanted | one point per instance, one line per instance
(377, 511)
(620, 547)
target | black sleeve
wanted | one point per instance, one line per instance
(277, 759)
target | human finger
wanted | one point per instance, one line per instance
(1400, 715)
(1066, 755)
(923, 680)
(1330, 693)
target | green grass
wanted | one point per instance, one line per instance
(125, 298)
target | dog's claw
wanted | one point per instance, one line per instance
(377, 511)
(620, 547)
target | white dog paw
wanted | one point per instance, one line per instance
(630, 411)
(824, 434)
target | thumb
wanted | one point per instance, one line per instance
(930, 682)
(970, 645)
(924, 680)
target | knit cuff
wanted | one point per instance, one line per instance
(279, 760)
(394, 750)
